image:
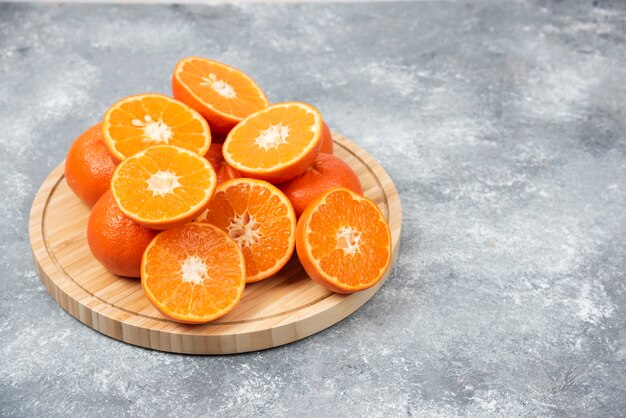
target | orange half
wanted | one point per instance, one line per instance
(222, 94)
(163, 186)
(277, 143)
(343, 241)
(193, 273)
(260, 218)
(138, 122)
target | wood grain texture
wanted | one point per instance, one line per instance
(272, 312)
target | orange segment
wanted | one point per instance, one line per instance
(163, 186)
(193, 273)
(222, 94)
(138, 122)
(343, 241)
(260, 219)
(277, 143)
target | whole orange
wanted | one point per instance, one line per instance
(327, 140)
(326, 172)
(115, 240)
(89, 166)
(222, 169)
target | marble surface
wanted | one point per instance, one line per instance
(503, 125)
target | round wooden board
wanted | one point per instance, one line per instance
(272, 312)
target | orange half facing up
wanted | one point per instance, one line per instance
(193, 273)
(163, 186)
(277, 143)
(343, 241)
(222, 94)
(260, 218)
(138, 122)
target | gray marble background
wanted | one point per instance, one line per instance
(503, 125)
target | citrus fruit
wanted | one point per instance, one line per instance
(138, 122)
(343, 241)
(193, 273)
(163, 186)
(222, 94)
(326, 172)
(327, 140)
(115, 240)
(222, 169)
(275, 144)
(89, 166)
(260, 219)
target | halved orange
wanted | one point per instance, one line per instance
(222, 94)
(138, 122)
(343, 241)
(163, 186)
(260, 218)
(193, 273)
(277, 143)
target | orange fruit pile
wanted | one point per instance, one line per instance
(215, 188)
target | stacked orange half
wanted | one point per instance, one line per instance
(138, 122)
(222, 94)
(277, 143)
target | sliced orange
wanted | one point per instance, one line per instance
(163, 186)
(260, 218)
(275, 144)
(222, 94)
(193, 273)
(138, 122)
(343, 241)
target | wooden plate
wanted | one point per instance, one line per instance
(275, 311)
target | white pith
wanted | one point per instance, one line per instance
(220, 86)
(193, 270)
(162, 183)
(154, 131)
(348, 240)
(272, 137)
(244, 229)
